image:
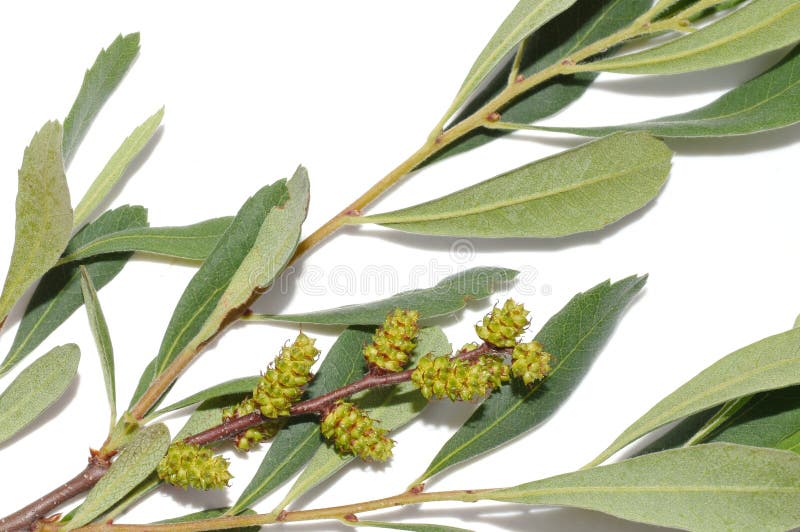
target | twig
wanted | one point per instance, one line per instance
(25, 518)
(336, 512)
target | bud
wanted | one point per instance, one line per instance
(504, 325)
(245, 441)
(193, 466)
(282, 385)
(393, 341)
(530, 362)
(459, 379)
(352, 431)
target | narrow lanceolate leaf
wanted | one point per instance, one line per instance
(413, 527)
(240, 386)
(36, 388)
(768, 364)
(138, 459)
(583, 189)
(191, 242)
(448, 296)
(527, 17)
(583, 23)
(59, 293)
(708, 488)
(44, 216)
(393, 407)
(116, 166)
(294, 446)
(575, 336)
(769, 101)
(98, 84)
(757, 28)
(252, 252)
(769, 419)
(210, 514)
(102, 338)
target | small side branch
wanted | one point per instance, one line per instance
(230, 428)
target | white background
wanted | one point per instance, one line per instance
(349, 89)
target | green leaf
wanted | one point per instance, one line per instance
(36, 388)
(413, 527)
(524, 19)
(583, 23)
(59, 293)
(210, 514)
(207, 415)
(769, 101)
(294, 446)
(98, 84)
(102, 338)
(252, 252)
(768, 364)
(757, 28)
(44, 216)
(575, 336)
(138, 459)
(393, 407)
(242, 385)
(582, 189)
(448, 296)
(116, 166)
(191, 242)
(768, 419)
(708, 488)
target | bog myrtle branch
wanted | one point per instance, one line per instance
(438, 139)
(318, 405)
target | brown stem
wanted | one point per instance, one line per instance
(26, 518)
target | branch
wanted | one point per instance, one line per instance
(26, 518)
(317, 405)
(335, 512)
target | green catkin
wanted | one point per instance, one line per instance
(394, 341)
(282, 384)
(352, 431)
(459, 379)
(504, 325)
(193, 466)
(530, 362)
(244, 441)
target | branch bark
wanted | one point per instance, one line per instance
(27, 517)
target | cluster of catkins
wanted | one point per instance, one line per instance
(475, 371)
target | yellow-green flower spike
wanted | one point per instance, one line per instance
(459, 379)
(393, 341)
(503, 325)
(193, 466)
(282, 385)
(530, 362)
(352, 431)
